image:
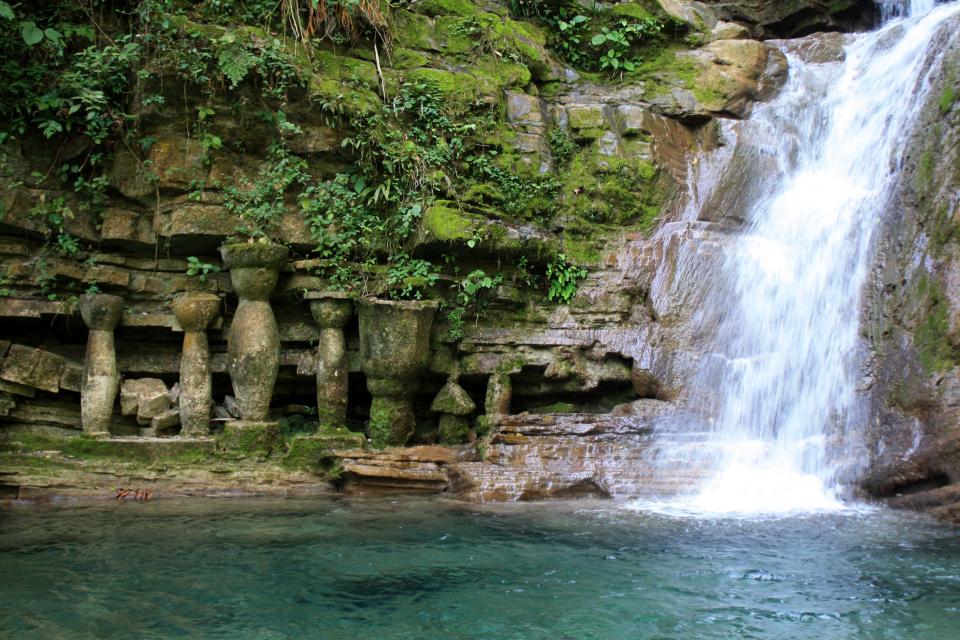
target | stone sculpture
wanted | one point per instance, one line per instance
(195, 311)
(394, 351)
(98, 389)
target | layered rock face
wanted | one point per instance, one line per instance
(536, 398)
(912, 317)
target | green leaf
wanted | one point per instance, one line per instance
(6, 11)
(53, 36)
(31, 34)
(598, 39)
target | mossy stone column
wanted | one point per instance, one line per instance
(394, 352)
(332, 311)
(195, 311)
(253, 344)
(98, 389)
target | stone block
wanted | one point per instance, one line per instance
(71, 377)
(127, 226)
(33, 368)
(7, 402)
(523, 109)
(143, 397)
(586, 116)
(630, 119)
(165, 420)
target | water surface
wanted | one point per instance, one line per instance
(433, 568)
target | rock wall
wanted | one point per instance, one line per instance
(912, 317)
(553, 388)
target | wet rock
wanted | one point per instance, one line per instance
(798, 17)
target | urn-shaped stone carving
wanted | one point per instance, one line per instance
(394, 351)
(253, 344)
(98, 389)
(195, 311)
(332, 311)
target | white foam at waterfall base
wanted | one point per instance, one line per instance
(778, 390)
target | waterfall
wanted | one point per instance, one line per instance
(778, 386)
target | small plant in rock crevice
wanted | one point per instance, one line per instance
(563, 279)
(196, 267)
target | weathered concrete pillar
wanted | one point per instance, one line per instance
(499, 395)
(253, 344)
(332, 311)
(394, 351)
(98, 389)
(195, 311)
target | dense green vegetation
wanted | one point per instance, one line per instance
(88, 76)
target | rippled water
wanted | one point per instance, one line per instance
(416, 568)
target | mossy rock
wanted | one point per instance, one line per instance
(314, 452)
(447, 223)
(242, 438)
(462, 8)
(391, 423)
(416, 31)
(453, 429)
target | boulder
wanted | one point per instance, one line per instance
(144, 397)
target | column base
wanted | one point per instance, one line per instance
(250, 436)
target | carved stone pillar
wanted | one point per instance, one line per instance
(195, 311)
(253, 344)
(332, 311)
(394, 351)
(98, 389)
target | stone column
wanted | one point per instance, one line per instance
(332, 311)
(253, 344)
(394, 352)
(98, 389)
(195, 311)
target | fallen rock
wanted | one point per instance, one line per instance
(143, 397)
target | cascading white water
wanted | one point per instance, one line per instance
(780, 384)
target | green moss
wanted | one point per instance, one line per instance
(943, 230)
(82, 447)
(947, 99)
(663, 69)
(934, 347)
(443, 221)
(923, 178)
(383, 419)
(556, 407)
(256, 439)
(618, 189)
(402, 58)
(415, 31)
(582, 252)
(636, 10)
(462, 8)
(314, 453)
(453, 429)
(586, 118)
